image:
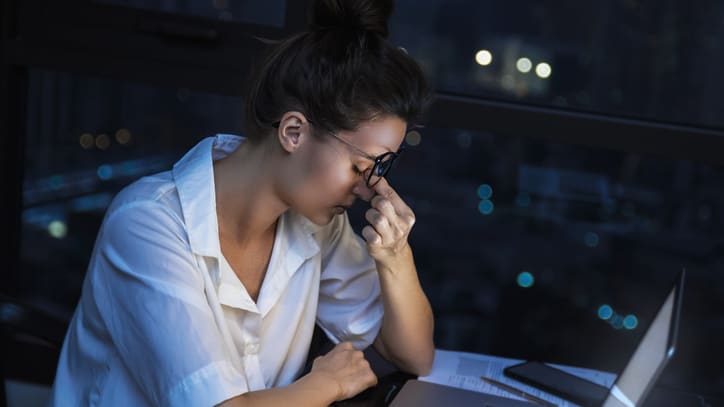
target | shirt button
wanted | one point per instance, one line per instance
(251, 349)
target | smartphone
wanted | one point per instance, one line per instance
(558, 382)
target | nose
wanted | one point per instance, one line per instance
(362, 191)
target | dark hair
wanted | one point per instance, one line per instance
(340, 73)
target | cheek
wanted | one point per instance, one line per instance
(325, 179)
(333, 179)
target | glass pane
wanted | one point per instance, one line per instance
(86, 139)
(261, 12)
(633, 58)
(561, 253)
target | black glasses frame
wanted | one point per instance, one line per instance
(382, 172)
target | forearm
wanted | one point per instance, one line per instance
(407, 326)
(309, 391)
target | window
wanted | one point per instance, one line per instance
(527, 247)
(86, 139)
(631, 58)
(548, 251)
(262, 12)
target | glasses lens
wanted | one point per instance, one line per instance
(381, 169)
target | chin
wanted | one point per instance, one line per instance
(323, 218)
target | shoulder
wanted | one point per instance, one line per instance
(150, 203)
(155, 193)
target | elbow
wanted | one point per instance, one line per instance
(420, 369)
(426, 359)
(425, 366)
(421, 365)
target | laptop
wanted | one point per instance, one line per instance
(652, 354)
(416, 393)
(630, 389)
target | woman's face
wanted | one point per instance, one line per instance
(330, 174)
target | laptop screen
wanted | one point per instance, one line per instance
(651, 355)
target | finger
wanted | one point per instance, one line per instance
(385, 206)
(362, 366)
(400, 223)
(341, 347)
(399, 226)
(346, 345)
(374, 379)
(381, 224)
(371, 378)
(371, 237)
(384, 189)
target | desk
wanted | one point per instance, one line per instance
(391, 380)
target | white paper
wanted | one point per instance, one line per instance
(463, 370)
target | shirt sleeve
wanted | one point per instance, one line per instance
(150, 294)
(350, 305)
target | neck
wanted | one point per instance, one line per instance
(247, 204)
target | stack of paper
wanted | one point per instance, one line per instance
(463, 370)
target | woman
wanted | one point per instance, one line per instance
(207, 280)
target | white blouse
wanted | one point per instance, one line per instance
(163, 320)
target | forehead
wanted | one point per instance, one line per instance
(379, 135)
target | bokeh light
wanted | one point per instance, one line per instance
(486, 207)
(605, 312)
(485, 191)
(524, 65)
(57, 229)
(525, 279)
(86, 140)
(413, 138)
(103, 141)
(543, 70)
(616, 321)
(483, 57)
(123, 136)
(105, 172)
(630, 322)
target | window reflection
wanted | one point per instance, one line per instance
(631, 58)
(545, 251)
(86, 139)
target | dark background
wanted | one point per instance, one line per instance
(600, 181)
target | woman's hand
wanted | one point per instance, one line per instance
(390, 223)
(405, 338)
(347, 368)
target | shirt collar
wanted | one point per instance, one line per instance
(194, 178)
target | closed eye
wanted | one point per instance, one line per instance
(362, 173)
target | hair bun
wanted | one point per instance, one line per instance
(366, 15)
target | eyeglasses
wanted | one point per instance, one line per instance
(382, 163)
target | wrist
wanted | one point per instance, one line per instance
(324, 384)
(398, 260)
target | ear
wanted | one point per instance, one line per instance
(293, 131)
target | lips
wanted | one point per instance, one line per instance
(342, 208)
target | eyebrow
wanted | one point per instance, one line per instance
(359, 150)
